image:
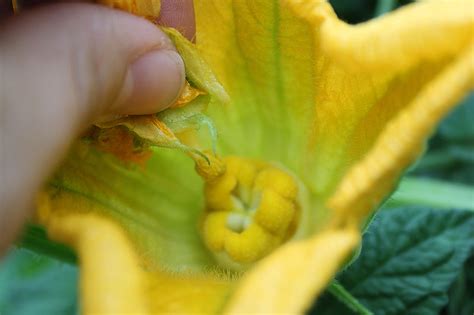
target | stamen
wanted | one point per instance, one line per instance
(251, 208)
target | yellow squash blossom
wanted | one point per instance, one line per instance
(321, 121)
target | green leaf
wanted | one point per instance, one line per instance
(461, 295)
(340, 293)
(33, 284)
(354, 11)
(410, 258)
(451, 150)
(385, 6)
(458, 125)
(35, 239)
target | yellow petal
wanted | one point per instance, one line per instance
(425, 32)
(315, 93)
(401, 141)
(158, 204)
(259, 50)
(320, 96)
(287, 281)
(371, 72)
(111, 279)
(188, 294)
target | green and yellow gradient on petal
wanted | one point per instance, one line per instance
(323, 119)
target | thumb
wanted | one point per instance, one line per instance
(62, 67)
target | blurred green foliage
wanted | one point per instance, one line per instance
(354, 11)
(32, 284)
(451, 150)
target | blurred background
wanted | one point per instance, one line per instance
(33, 283)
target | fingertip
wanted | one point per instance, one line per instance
(153, 83)
(179, 14)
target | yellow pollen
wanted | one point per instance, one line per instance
(251, 208)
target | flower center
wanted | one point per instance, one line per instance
(251, 208)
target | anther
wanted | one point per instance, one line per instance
(251, 208)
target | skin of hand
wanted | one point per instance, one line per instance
(64, 66)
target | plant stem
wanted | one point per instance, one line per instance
(432, 193)
(384, 6)
(339, 292)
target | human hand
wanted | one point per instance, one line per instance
(64, 66)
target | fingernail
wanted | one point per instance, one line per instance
(153, 83)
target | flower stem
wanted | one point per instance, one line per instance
(339, 292)
(34, 238)
(384, 6)
(432, 193)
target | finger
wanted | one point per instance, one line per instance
(61, 67)
(178, 14)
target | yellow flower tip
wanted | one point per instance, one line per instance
(251, 208)
(109, 264)
(412, 26)
(320, 257)
(367, 182)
